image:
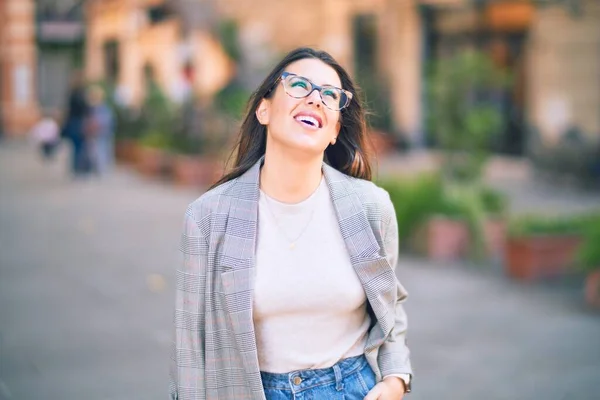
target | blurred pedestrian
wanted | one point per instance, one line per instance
(45, 134)
(73, 128)
(99, 130)
(287, 284)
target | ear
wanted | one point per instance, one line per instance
(262, 112)
(338, 126)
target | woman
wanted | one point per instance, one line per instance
(100, 132)
(73, 129)
(287, 288)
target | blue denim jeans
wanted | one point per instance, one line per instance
(349, 379)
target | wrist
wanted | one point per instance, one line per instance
(396, 383)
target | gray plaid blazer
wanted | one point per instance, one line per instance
(214, 354)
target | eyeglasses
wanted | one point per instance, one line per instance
(299, 87)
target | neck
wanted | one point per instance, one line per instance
(290, 179)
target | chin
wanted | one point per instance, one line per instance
(299, 140)
(306, 147)
(309, 143)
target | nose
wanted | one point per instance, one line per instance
(314, 98)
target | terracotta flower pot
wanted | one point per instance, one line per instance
(447, 239)
(196, 171)
(592, 289)
(151, 161)
(126, 151)
(536, 257)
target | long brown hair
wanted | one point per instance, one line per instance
(349, 155)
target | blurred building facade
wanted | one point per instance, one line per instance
(130, 41)
(552, 49)
(60, 39)
(40, 44)
(18, 98)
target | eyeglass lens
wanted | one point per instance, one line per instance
(299, 87)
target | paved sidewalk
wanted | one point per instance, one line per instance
(86, 295)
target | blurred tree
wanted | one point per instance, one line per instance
(464, 115)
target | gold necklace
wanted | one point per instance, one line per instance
(281, 230)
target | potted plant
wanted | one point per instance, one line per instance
(588, 258)
(448, 234)
(494, 205)
(153, 155)
(464, 119)
(542, 247)
(433, 219)
(128, 128)
(158, 122)
(414, 200)
(192, 165)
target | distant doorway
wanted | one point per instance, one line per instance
(55, 66)
(368, 73)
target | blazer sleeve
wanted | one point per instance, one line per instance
(187, 370)
(394, 355)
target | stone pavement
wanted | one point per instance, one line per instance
(86, 296)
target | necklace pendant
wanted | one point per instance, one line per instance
(292, 246)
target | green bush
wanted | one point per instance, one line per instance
(188, 145)
(414, 201)
(451, 208)
(588, 256)
(156, 139)
(493, 201)
(232, 100)
(417, 200)
(533, 225)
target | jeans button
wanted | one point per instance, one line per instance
(297, 380)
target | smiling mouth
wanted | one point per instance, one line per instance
(308, 121)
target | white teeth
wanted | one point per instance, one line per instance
(307, 119)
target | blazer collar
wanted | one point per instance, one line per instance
(354, 225)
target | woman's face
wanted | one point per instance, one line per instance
(303, 124)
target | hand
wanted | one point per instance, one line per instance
(391, 388)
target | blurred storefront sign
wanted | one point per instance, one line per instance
(509, 16)
(61, 31)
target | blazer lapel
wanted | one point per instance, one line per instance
(237, 263)
(366, 256)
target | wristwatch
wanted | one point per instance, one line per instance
(406, 379)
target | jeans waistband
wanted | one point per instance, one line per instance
(308, 378)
